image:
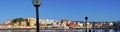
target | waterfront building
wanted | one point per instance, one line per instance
(47, 23)
(111, 24)
(73, 24)
(56, 23)
(80, 25)
(89, 25)
(2, 26)
(23, 24)
(42, 24)
(64, 24)
(7, 22)
(16, 24)
(98, 25)
(9, 26)
(32, 21)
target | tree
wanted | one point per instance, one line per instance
(17, 20)
(27, 22)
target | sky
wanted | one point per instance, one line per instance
(95, 10)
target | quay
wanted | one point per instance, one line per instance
(52, 28)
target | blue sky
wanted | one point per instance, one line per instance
(96, 10)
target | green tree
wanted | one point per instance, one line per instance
(17, 20)
(27, 22)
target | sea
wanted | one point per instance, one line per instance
(77, 30)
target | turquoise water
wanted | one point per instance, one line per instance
(80, 30)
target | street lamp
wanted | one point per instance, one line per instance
(36, 4)
(86, 18)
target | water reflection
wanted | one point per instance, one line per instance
(80, 30)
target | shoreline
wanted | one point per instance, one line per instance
(50, 28)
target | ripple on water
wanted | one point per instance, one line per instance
(80, 30)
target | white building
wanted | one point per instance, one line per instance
(80, 25)
(110, 24)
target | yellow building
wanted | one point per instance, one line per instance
(32, 21)
(16, 24)
(23, 23)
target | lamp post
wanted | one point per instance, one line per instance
(86, 18)
(36, 4)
